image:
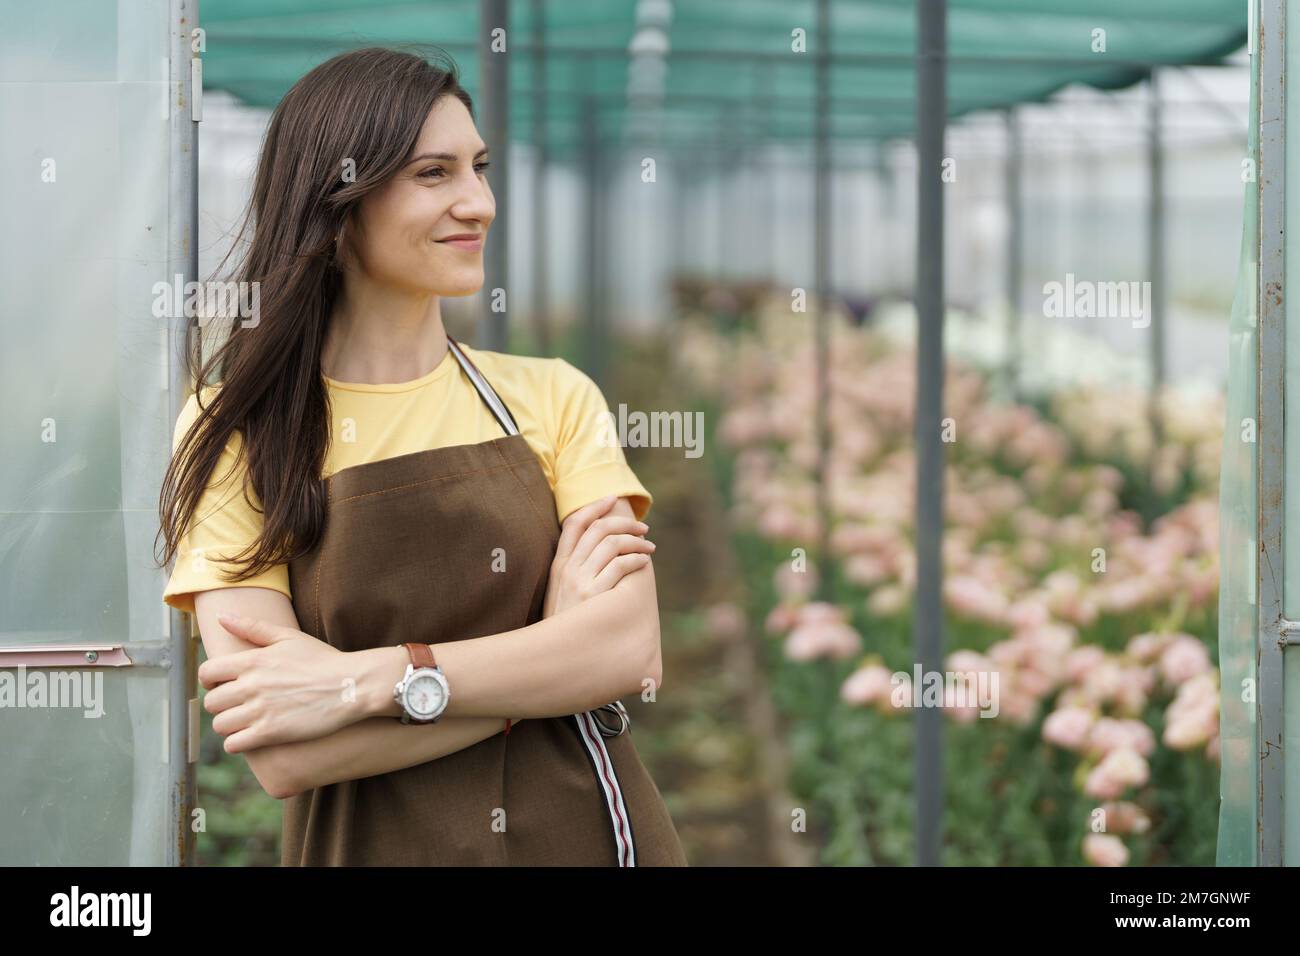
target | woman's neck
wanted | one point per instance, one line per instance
(393, 341)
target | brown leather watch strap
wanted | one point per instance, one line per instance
(421, 655)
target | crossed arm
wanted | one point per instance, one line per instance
(303, 732)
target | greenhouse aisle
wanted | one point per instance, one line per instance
(714, 742)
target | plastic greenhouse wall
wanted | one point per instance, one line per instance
(1237, 842)
(84, 175)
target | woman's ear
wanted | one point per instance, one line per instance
(349, 231)
(340, 242)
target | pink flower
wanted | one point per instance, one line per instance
(1104, 849)
(1068, 727)
(1122, 595)
(782, 618)
(1009, 653)
(1028, 612)
(966, 661)
(821, 612)
(866, 569)
(1081, 660)
(1033, 552)
(1183, 659)
(1048, 649)
(1191, 730)
(855, 538)
(822, 632)
(1049, 639)
(1033, 682)
(1015, 705)
(867, 686)
(972, 597)
(1103, 682)
(1193, 717)
(1118, 770)
(888, 600)
(1134, 688)
(781, 522)
(1109, 734)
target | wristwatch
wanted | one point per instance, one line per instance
(422, 693)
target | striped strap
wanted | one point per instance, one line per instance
(616, 715)
(588, 730)
(484, 389)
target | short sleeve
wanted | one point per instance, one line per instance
(589, 459)
(224, 524)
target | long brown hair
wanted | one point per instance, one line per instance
(341, 131)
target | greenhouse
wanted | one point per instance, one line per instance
(947, 337)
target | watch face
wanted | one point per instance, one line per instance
(424, 695)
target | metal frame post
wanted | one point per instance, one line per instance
(184, 69)
(822, 271)
(1015, 252)
(1274, 632)
(1156, 270)
(720, 167)
(931, 120)
(494, 93)
(594, 347)
(541, 280)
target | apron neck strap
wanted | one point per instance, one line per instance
(485, 391)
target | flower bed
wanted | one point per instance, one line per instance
(1092, 630)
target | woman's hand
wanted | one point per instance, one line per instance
(596, 549)
(290, 687)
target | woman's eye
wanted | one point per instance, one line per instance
(435, 172)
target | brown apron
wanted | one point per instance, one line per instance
(408, 554)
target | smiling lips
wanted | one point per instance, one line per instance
(469, 241)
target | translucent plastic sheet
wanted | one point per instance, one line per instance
(1237, 843)
(86, 427)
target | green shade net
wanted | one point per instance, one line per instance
(730, 60)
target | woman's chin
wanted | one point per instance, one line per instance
(467, 282)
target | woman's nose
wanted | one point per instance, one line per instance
(476, 201)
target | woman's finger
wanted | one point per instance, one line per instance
(241, 740)
(234, 719)
(218, 670)
(228, 695)
(602, 528)
(578, 522)
(617, 569)
(611, 547)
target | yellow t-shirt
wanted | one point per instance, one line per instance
(557, 407)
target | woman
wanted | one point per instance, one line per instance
(422, 658)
